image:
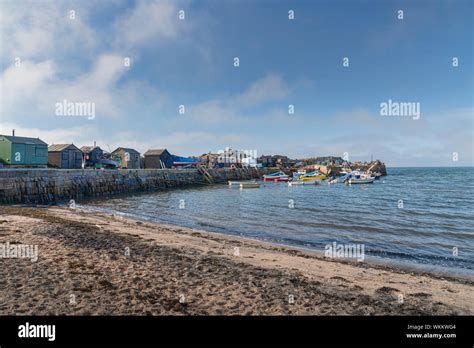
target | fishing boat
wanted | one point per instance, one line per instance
(315, 175)
(360, 178)
(277, 176)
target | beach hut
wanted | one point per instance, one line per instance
(158, 158)
(92, 154)
(128, 158)
(23, 151)
(66, 156)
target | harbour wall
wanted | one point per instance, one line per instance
(47, 186)
(374, 166)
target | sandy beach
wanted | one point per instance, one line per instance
(99, 264)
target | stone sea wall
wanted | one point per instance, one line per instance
(374, 166)
(46, 186)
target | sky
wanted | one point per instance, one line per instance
(49, 55)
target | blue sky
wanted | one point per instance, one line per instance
(190, 62)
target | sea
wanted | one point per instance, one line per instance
(418, 218)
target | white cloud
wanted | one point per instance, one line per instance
(269, 88)
(24, 81)
(233, 108)
(97, 85)
(80, 135)
(431, 140)
(41, 86)
(148, 21)
(35, 30)
(213, 111)
(50, 46)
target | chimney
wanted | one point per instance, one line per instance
(94, 143)
(13, 132)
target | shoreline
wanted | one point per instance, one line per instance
(374, 261)
(177, 270)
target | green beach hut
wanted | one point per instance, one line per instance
(23, 151)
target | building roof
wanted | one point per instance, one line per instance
(126, 149)
(26, 140)
(60, 147)
(155, 152)
(88, 149)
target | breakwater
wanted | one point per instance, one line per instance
(375, 167)
(46, 186)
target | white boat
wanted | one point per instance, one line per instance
(244, 184)
(249, 185)
(341, 179)
(297, 175)
(367, 180)
(360, 178)
(346, 170)
(300, 182)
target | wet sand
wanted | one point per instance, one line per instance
(99, 264)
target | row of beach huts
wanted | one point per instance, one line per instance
(24, 152)
(16, 151)
(21, 152)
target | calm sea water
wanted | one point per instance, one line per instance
(437, 215)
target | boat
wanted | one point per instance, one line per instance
(179, 161)
(277, 176)
(340, 179)
(106, 163)
(315, 175)
(346, 170)
(249, 185)
(299, 182)
(297, 175)
(360, 178)
(244, 184)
